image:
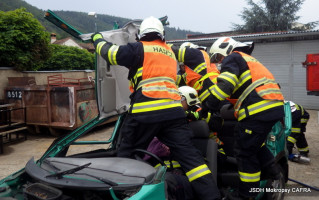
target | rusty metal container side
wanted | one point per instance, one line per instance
(21, 81)
(56, 107)
(36, 102)
(86, 105)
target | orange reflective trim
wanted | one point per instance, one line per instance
(191, 76)
(270, 91)
(160, 64)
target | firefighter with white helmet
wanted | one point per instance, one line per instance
(198, 71)
(155, 107)
(151, 25)
(258, 104)
(297, 137)
(190, 94)
(223, 46)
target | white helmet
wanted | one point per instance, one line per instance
(149, 25)
(188, 44)
(190, 95)
(292, 106)
(224, 46)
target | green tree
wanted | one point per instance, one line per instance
(23, 41)
(68, 58)
(271, 15)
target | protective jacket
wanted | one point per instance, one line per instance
(152, 77)
(155, 98)
(300, 119)
(249, 85)
(198, 72)
(180, 81)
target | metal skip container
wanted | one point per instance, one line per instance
(63, 104)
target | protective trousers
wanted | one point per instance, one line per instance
(300, 140)
(176, 134)
(251, 153)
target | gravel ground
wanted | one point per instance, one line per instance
(17, 154)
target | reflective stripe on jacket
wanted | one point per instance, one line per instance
(156, 78)
(195, 77)
(262, 82)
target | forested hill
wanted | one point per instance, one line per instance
(82, 21)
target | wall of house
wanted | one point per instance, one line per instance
(40, 77)
(72, 44)
(284, 60)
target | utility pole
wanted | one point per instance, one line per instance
(93, 14)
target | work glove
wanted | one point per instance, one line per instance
(96, 36)
(192, 116)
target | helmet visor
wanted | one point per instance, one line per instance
(216, 58)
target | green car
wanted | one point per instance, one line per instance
(99, 174)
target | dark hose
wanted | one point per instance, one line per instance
(311, 187)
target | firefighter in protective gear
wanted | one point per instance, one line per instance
(155, 108)
(300, 119)
(193, 109)
(258, 104)
(198, 71)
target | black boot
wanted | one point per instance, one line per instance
(304, 153)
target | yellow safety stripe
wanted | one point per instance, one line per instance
(249, 177)
(229, 77)
(205, 94)
(138, 73)
(99, 47)
(221, 150)
(248, 131)
(199, 83)
(155, 80)
(155, 88)
(291, 139)
(200, 67)
(169, 164)
(244, 77)
(258, 107)
(178, 79)
(269, 91)
(209, 75)
(306, 149)
(198, 172)
(208, 117)
(295, 130)
(181, 54)
(249, 89)
(218, 93)
(112, 54)
(304, 120)
(155, 105)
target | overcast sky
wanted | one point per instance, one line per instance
(205, 16)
